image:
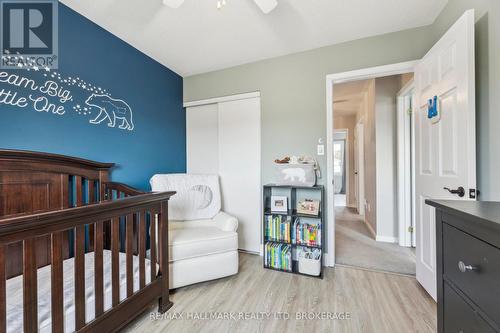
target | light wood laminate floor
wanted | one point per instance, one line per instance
(375, 302)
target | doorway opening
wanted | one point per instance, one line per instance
(443, 145)
(366, 139)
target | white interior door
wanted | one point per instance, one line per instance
(239, 167)
(224, 138)
(445, 146)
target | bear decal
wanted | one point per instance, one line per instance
(292, 173)
(111, 109)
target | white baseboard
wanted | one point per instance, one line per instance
(387, 239)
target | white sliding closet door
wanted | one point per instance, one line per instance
(202, 139)
(224, 138)
(239, 167)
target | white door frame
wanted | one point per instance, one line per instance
(406, 166)
(360, 155)
(331, 79)
(345, 135)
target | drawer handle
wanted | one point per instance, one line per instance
(464, 268)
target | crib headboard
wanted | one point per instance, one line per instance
(32, 182)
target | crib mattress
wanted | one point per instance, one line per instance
(15, 292)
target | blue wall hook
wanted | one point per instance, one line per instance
(432, 109)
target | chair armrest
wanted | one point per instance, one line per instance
(226, 222)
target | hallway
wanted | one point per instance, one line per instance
(355, 246)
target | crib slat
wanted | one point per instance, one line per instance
(91, 191)
(30, 306)
(98, 269)
(57, 309)
(65, 192)
(159, 249)
(152, 242)
(115, 261)
(91, 200)
(142, 249)
(3, 308)
(78, 185)
(129, 237)
(80, 277)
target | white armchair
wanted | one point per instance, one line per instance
(203, 242)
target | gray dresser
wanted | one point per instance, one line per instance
(468, 265)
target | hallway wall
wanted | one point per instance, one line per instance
(386, 89)
(370, 157)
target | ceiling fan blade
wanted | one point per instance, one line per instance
(173, 3)
(266, 5)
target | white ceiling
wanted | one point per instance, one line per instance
(198, 38)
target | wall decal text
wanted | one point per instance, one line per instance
(49, 91)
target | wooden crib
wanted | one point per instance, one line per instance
(55, 209)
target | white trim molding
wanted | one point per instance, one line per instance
(406, 164)
(373, 72)
(386, 239)
(222, 99)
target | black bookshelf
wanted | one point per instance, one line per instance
(294, 194)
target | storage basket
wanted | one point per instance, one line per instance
(295, 174)
(310, 266)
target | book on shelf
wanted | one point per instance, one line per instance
(278, 256)
(277, 228)
(306, 234)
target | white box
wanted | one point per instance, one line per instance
(310, 266)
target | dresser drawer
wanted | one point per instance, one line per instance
(479, 280)
(460, 317)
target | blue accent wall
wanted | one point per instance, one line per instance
(157, 144)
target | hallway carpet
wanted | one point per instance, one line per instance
(355, 246)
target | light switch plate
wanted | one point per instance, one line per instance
(321, 150)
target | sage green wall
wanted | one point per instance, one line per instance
(487, 28)
(293, 88)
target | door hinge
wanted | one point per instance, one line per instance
(410, 229)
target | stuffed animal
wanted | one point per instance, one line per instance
(285, 160)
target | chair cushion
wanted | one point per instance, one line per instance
(197, 197)
(197, 241)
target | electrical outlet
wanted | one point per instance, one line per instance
(321, 150)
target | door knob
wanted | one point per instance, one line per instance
(459, 191)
